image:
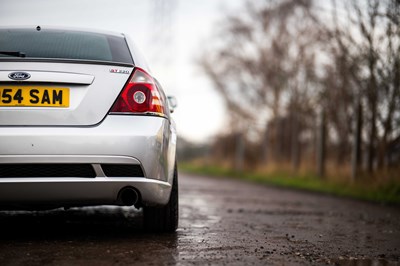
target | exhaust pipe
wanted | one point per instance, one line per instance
(128, 196)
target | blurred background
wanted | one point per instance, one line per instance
(299, 90)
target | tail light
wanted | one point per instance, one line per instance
(140, 95)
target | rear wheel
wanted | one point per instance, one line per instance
(165, 218)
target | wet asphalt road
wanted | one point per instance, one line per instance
(222, 222)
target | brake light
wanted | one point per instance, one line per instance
(140, 95)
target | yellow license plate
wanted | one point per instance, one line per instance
(39, 96)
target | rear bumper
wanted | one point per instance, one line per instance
(70, 192)
(149, 142)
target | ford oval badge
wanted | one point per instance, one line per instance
(19, 75)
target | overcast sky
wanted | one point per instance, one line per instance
(170, 33)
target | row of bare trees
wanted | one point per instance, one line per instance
(309, 82)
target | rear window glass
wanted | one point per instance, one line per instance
(60, 44)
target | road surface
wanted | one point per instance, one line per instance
(222, 222)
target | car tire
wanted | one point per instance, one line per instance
(164, 219)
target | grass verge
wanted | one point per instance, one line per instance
(384, 193)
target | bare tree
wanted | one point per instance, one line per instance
(281, 63)
(367, 49)
(262, 66)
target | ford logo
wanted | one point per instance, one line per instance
(19, 75)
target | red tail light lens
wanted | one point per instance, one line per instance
(140, 95)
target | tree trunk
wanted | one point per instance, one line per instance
(321, 147)
(239, 158)
(356, 153)
(371, 141)
(295, 149)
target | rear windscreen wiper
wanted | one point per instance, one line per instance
(12, 53)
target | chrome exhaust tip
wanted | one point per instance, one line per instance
(128, 196)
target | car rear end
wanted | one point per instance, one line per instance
(82, 122)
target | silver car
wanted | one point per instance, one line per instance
(83, 122)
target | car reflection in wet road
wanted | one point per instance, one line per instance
(222, 221)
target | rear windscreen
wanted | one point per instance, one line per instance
(63, 45)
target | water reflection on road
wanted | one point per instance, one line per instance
(221, 222)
